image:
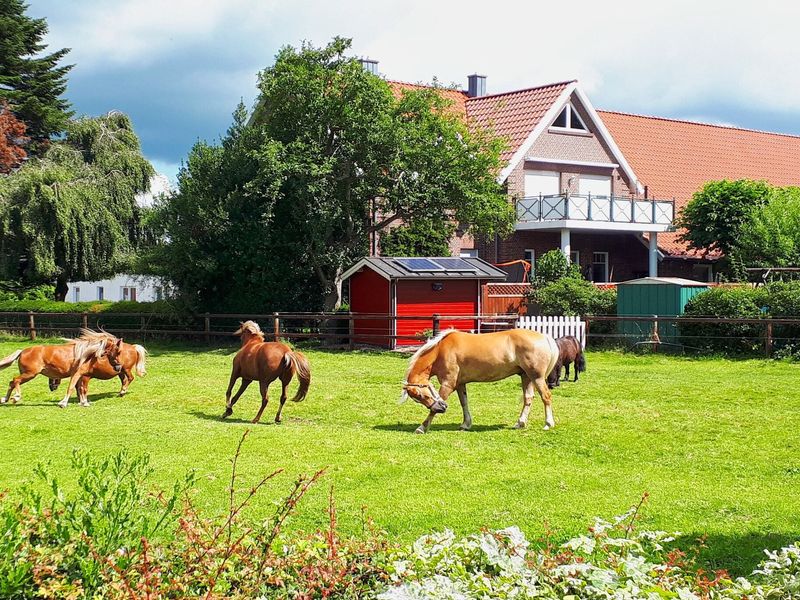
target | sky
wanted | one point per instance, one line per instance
(179, 67)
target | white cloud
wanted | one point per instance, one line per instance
(630, 55)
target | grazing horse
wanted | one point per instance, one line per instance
(265, 362)
(131, 356)
(456, 358)
(569, 351)
(73, 360)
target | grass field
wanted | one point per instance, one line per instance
(716, 443)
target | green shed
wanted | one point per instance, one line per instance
(648, 296)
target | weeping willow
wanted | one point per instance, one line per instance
(72, 214)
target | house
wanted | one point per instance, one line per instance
(410, 290)
(605, 187)
(128, 288)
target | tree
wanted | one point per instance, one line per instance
(331, 158)
(32, 83)
(72, 214)
(12, 140)
(714, 217)
(771, 238)
(420, 238)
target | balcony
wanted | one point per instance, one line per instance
(575, 211)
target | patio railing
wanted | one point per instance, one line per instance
(609, 209)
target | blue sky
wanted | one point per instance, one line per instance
(179, 68)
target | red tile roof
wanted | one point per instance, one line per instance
(675, 158)
(457, 97)
(513, 115)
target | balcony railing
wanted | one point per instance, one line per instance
(609, 209)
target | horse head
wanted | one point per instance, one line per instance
(249, 330)
(111, 350)
(425, 394)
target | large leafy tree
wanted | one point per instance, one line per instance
(31, 81)
(420, 238)
(713, 219)
(72, 213)
(771, 237)
(331, 157)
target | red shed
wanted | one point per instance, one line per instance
(415, 287)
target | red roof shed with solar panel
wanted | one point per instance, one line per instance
(415, 287)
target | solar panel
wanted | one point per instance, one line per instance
(455, 264)
(418, 264)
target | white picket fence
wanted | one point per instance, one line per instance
(555, 327)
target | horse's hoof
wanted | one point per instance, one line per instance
(465, 427)
(420, 430)
(278, 421)
(520, 425)
(62, 405)
(3, 400)
(548, 426)
(85, 404)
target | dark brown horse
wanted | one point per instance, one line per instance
(569, 351)
(265, 362)
(73, 359)
(131, 356)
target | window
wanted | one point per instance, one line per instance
(542, 183)
(468, 253)
(600, 267)
(100, 292)
(129, 294)
(76, 294)
(530, 258)
(159, 293)
(598, 186)
(569, 119)
(575, 257)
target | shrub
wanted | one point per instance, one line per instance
(571, 296)
(553, 266)
(725, 302)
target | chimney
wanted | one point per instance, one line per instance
(370, 65)
(476, 86)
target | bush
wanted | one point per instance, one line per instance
(553, 266)
(570, 296)
(10, 291)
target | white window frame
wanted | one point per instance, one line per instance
(550, 176)
(125, 293)
(101, 292)
(577, 257)
(605, 264)
(530, 257)
(571, 112)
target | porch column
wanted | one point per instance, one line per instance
(652, 255)
(566, 248)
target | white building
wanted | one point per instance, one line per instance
(133, 288)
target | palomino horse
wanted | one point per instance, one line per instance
(73, 360)
(265, 362)
(569, 351)
(456, 358)
(131, 356)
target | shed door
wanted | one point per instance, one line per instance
(423, 298)
(541, 183)
(596, 185)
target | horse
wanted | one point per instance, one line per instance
(73, 360)
(265, 362)
(457, 358)
(131, 356)
(569, 351)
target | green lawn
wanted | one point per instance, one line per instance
(714, 442)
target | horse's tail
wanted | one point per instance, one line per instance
(10, 359)
(141, 369)
(300, 367)
(555, 354)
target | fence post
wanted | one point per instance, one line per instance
(351, 330)
(768, 342)
(276, 326)
(435, 325)
(85, 320)
(207, 327)
(655, 337)
(32, 325)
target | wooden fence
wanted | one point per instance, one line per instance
(555, 326)
(338, 328)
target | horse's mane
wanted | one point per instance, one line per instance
(431, 343)
(90, 342)
(250, 327)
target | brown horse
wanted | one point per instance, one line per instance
(456, 359)
(131, 356)
(569, 351)
(73, 360)
(265, 362)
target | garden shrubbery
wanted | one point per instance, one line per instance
(113, 537)
(776, 300)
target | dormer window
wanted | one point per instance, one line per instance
(569, 119)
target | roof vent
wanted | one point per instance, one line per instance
(477, 85)
(370, 65)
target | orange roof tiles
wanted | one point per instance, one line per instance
(457, 97)
(513, 115)
(675, 158)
